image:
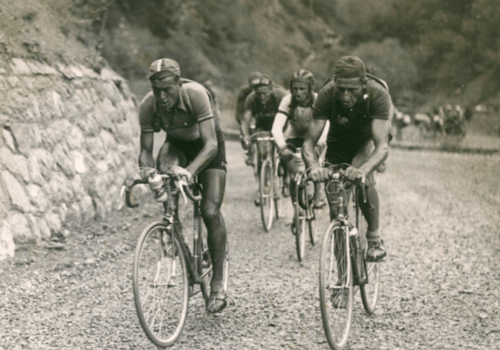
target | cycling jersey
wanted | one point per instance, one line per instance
(264, 114)
(295, 127)
(192, 107)
(352, 128)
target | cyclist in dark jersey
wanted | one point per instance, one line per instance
(194, 147)
(358, 108)
(262, 104)
(244, 91)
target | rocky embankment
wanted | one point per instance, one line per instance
(66, 142)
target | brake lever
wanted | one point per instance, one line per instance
(180, 185)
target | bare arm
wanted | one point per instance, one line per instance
(209, 150)
(277, 130)
(380, 134)
(146, 155)
(313, 134)
(245, 125)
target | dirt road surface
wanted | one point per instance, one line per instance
(440, 283)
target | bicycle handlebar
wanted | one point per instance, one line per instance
(339, 176)
(182, 186)
(262, 136)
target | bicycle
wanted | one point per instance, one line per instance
(165, 271)
(343, 263)
(302, 200)
(268, 177)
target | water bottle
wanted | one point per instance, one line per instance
(156, 185)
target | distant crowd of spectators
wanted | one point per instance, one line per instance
(443, 120)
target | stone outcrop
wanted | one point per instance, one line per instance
(68, 135)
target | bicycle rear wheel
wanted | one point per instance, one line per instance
(370, 289)
(160, 284)
(299, 221)
(266, 194)
(336, 286)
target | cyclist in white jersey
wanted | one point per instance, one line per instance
(291, 124)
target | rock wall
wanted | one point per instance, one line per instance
(68, 136)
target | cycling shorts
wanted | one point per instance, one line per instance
(191, 149)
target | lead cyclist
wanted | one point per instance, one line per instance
(194, 147)
(358, 107)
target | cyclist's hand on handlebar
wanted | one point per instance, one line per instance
(180, 173)
(286, 153)
(319, 174)
(353, 174)
(139, 177)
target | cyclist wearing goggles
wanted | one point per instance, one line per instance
(291, 124)
(253, 77)
(358, 107)
(262, 105)
(194, 142)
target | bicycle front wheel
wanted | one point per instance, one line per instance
(266, 195)
(160, 284)
(336, 286)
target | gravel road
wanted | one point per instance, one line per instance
(440, 283)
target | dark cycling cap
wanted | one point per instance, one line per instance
(303, 76)
(163, 67)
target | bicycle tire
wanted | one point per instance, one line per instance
(313, 229)
(370, 289)
(311, 220)
(278, 186)
(336, 286)
(157, 255)
(266, 191)
(205, 267)
(300, 226)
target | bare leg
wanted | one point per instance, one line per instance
(370, 209)
(214, 182)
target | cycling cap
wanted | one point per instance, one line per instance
(349, 71)
(253, 76)
(303, 76)
(164, 67)
(264, 80)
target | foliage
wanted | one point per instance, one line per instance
(451, 42)
(434, 47)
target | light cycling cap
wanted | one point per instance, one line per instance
(167, 66)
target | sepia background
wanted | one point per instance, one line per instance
(72, 73)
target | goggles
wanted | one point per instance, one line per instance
(260, 81)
